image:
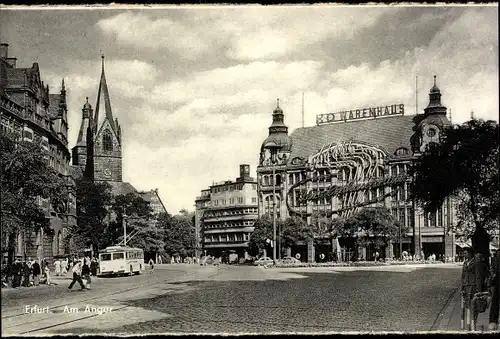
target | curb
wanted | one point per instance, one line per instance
(452, 305)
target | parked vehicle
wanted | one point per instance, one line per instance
(289, 260)
(263, 261)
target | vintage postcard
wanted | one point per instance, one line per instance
(248, 169)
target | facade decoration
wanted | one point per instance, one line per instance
(342, 165)
(29, 112)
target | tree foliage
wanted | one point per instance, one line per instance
(463, 166)
(374, 226)
(25, 178)
(327, 227)
(92, 202)
(134, 209)
(178, 233)
(294, 230)
(263, 231)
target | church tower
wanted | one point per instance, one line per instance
(107, 139)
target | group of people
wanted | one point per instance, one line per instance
(33, 273)
(480, 287)
(25, 273)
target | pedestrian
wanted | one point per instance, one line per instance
(64, 267)
(36, 273)
(160, 260)
(86, 272)
(26, 274)
(151, 266)
(77, 275)
(495, 291)
(469, 289)
(47, 274)
(57, 267)
(93, 267)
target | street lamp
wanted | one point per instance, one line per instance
(273, 148)
(124, 222)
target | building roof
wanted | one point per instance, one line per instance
(122, 188)
(152, 196)
(389, 133)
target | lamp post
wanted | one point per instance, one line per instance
(124, 221)
(273, 149)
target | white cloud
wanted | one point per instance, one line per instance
(250, 33)
(240, 84)
(137, 29)
(187, 131)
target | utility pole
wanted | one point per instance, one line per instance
(124, 230)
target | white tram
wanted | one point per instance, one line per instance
(115, 260)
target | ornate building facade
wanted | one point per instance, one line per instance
(350, 160)
(31, 113)
(225, 214)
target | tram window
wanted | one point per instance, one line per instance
(118, 256)
(105, 257)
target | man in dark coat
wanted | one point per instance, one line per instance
(36, 272)
(495, 287)
(481, 245)
(26, 273)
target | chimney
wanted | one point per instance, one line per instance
(12, 62)
(4, 51)
(244, 171)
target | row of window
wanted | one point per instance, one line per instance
(229, 224)
(231, 237)
(232, 201)
(243, 211)
(344, 174)
(233, 187)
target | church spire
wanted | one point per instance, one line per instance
(103, 100)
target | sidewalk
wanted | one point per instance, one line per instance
(450, 318)
(55, 280)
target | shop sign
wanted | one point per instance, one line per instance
(360, 114)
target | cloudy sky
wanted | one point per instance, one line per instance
(194, 88)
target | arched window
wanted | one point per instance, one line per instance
(107, 142)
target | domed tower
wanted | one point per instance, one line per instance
(278, 140)
(431, 124)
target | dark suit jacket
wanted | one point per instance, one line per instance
(36, 269)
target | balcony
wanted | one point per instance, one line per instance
(252, 216)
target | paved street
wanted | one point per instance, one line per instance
(190, 298)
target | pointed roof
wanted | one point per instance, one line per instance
(103, 97)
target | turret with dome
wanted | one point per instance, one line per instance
(278, 136)
(430, 124)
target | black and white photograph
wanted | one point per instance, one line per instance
(248, 169)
